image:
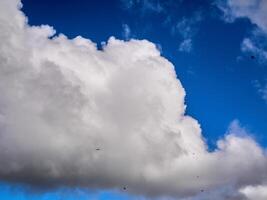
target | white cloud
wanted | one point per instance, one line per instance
(63, 99)
(258, 192)
(256, 12)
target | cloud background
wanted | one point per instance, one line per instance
(61, 99)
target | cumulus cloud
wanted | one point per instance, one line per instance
(72, 115)
(255, 11)
(255, 192)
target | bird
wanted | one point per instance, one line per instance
(202, 190)
(252, 57)
(124, 188)
(97, 149)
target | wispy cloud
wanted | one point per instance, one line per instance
(186, 45)
(126, 31)
(187, 28)
(261, 89)
(144, 5)
(255, 11)
(256, 44)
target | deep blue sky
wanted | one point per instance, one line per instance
(217, 76)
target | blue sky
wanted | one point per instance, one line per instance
(222, 82)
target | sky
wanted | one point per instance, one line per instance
(172, 93)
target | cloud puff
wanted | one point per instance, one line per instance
(255, 192)
(72, 115)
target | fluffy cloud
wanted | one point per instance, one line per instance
(255, 11)
(72, 115)
(255, 192)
